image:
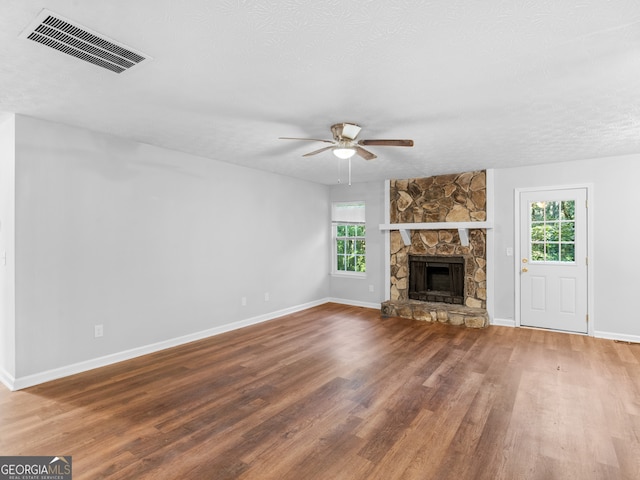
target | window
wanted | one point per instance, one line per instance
(349, 243)
(553, 226)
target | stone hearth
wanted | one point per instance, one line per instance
(436, 312)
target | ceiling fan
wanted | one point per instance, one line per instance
(344, 144)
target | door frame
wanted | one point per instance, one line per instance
(590, 247)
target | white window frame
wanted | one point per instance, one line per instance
(344, 217)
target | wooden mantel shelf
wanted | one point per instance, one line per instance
(462, 227)
(434, 225)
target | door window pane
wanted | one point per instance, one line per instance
(537, 252)
(537, 211)
(537, 232)
(568, 231)
(552, 231)
(568, 253)
(552, 210)
(568, 210)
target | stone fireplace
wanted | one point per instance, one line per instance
(436, 277)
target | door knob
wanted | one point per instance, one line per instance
(524, 260)
(525, 269)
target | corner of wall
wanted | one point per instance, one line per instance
(7, 247)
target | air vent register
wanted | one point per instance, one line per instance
(69, 37)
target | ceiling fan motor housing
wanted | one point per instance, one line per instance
(342, 131)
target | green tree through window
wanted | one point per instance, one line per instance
(349, 232)
(350, 248)
(553, 231)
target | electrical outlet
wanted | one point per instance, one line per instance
(371, 288)
(243, 301)
(266, 296)
(98, 331)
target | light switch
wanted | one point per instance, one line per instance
(509, 252)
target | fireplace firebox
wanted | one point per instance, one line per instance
(436, 279)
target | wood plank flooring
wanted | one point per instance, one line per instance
(336, 392)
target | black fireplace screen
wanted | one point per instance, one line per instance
(436, 279)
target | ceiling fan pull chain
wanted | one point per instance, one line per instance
(349, 171)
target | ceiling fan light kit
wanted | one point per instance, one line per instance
(344, 152)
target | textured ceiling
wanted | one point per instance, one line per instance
(496, 83)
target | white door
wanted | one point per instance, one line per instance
(553, 263)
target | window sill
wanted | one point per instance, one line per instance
(355, 275)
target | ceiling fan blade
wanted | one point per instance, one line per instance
(306, 139)
(387, 143)
(366, 154)
(317, 151)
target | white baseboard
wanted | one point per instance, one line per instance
(597, 334)
(6, 379)
(354, 303)
(46, 376)
(503, 322)
(617, 336)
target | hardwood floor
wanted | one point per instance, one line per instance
(336, 392)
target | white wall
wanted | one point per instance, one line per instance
(357, 290)
(7, 247)
(151, 243)
(616, 230)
